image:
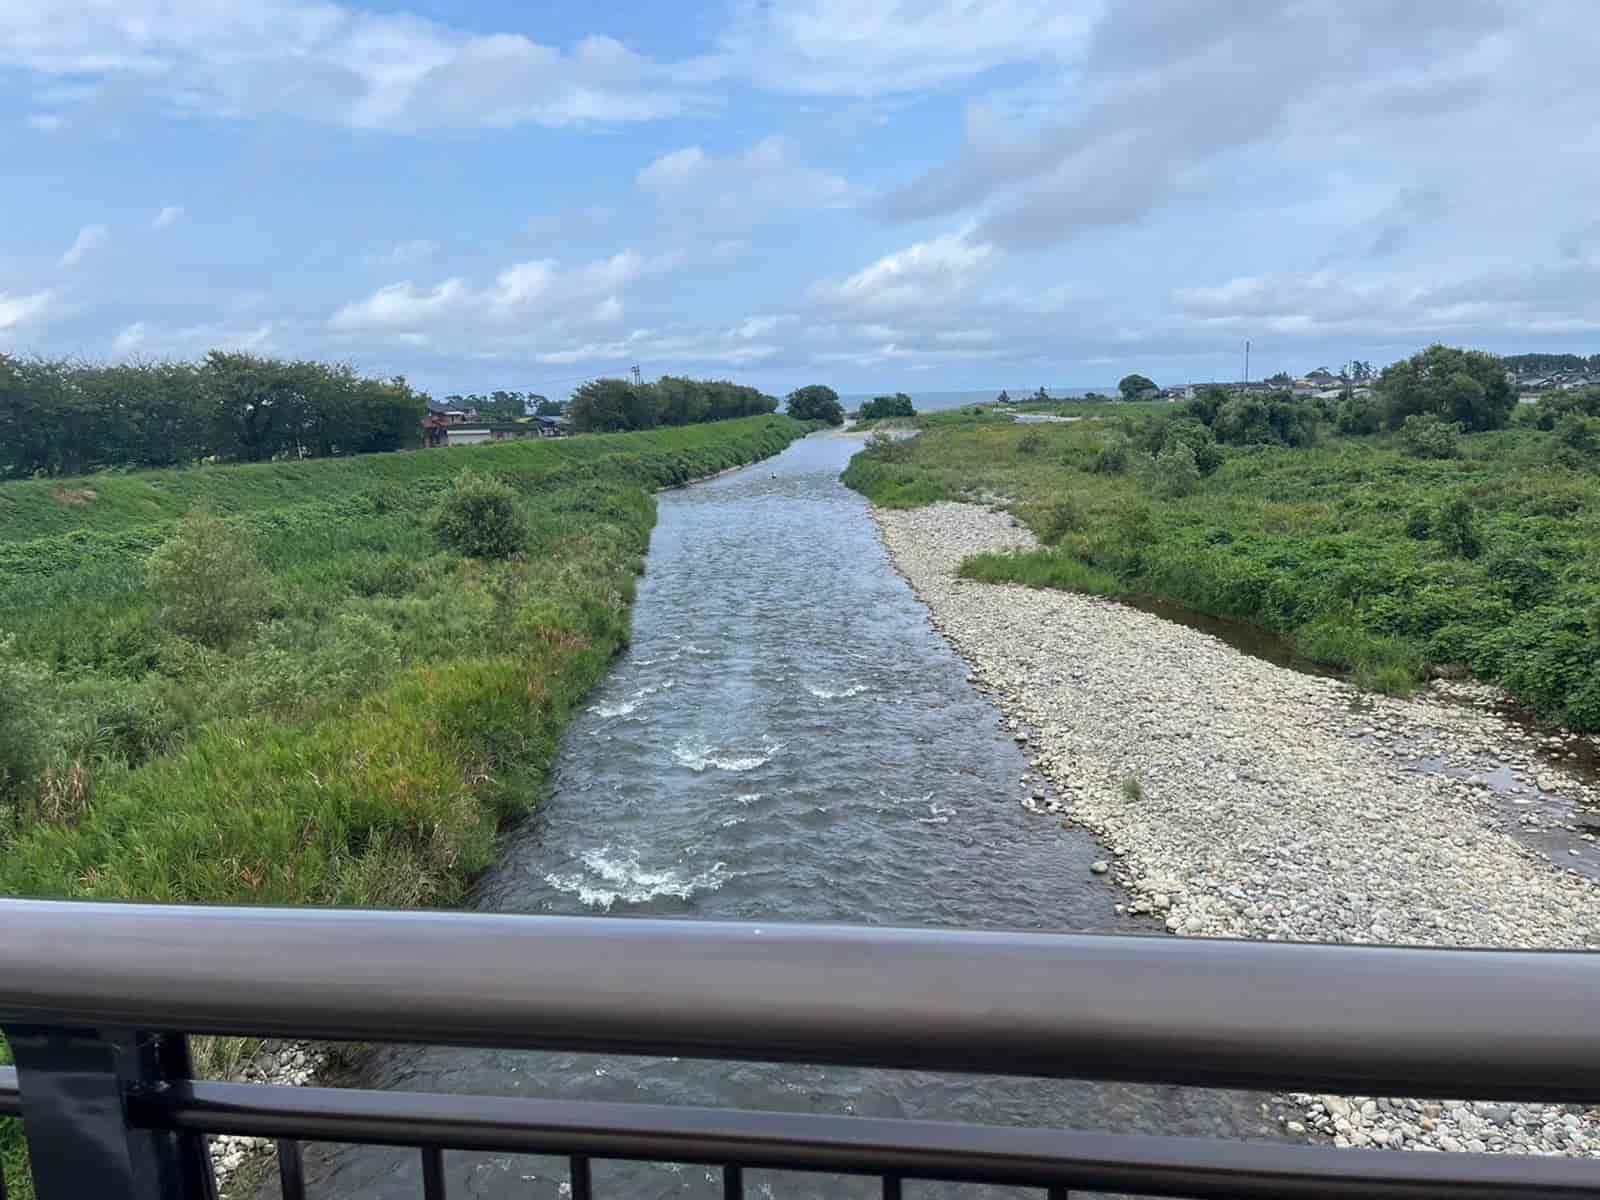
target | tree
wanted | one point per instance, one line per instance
(1041, 396)
(1281, 379)
(610, 405)
(897, 405)
(1133, 387)
(544, 407)
(1467, 386)
(816, 402)
(480, 518)
(1361, 371)
(210, 584)
(1003, 398)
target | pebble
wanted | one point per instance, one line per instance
(1270, 809)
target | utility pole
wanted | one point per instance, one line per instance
(1247, 362)
(636, 375)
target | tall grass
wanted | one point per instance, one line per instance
(365, 742)
(1368, 560)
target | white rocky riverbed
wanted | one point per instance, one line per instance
(1274, 804)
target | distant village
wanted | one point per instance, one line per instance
(473, 420)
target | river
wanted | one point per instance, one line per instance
(786, 739)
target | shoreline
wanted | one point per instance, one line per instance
(1269, 803)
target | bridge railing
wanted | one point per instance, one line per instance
(97, 1002)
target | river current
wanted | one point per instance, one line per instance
(787, 739)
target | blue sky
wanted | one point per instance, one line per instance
(934, 195)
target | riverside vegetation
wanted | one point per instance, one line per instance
(1434, 528)
(286, 683)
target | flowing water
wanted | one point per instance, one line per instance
(787, 739)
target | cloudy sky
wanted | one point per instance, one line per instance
(933, 194)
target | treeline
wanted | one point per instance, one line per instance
(1548, 364)
(612, 405)
(507, 405)
(59, 418)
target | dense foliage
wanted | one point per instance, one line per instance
(879, 407)
(480, 517)
(1547, 364)
(1369, 559)
(614, 405)
(1465, 386)
(815, 402)
(359, 740)
(58, 419)
(1134, 387)
(506, 405)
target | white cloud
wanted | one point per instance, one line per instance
(45, 122)
(742, 189)
(168, 216)
(536, 288)
(90, 237)
(129, 340)
(332, 62)
(930, 274)
(18, 311)
(879, 47)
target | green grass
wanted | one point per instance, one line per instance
(365, 743)
(1338, 548)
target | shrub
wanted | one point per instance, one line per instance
(1112, 456)
(207, 578)
(1132, 789)
(879, 407)
(1059, 518)
(1455, 528)
(1426, 436)
(1031, 442)
(1419, 524)
(1577, 441)
(480, 519)
(1176, 473)
(23, 743)
(1358, 416)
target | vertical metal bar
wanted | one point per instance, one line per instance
(582, 1189)
(891, 1187)
(74, 1084)
(732, 1182)
(291, 1170)
(432, 1173)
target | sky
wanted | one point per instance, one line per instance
(938, 194)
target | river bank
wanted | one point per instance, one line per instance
(1241, 799)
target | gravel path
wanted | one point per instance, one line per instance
(1269, 803)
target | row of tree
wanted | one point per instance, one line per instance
(57, 418)
(612, 405)
(879, 407)
(507, 406)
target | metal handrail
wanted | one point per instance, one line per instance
(1493, 1024)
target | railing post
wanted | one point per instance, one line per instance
(75, 1085)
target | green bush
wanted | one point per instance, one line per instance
(480, 518)
(1465, 386)
(1424, 435)
(1060, 517)
(1031, 442)
(208, 580)
(1356, 417)
(1113, 455)
(1176, 473)
(1456, 529)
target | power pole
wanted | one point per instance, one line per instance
(1247, 362)
(636, 375)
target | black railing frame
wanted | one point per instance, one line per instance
(98, 1002)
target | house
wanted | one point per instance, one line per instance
(452, 414)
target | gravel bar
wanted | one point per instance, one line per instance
(1269, 803)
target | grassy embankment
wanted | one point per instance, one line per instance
(363, 744)
(1363, 557)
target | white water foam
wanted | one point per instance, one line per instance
(621, 709)
(748, 797)
(611, 877)
(940, 815)
(698, 756)
(831, 694)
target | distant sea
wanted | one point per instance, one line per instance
(938, 401)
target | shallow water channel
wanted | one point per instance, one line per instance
(788, 739)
